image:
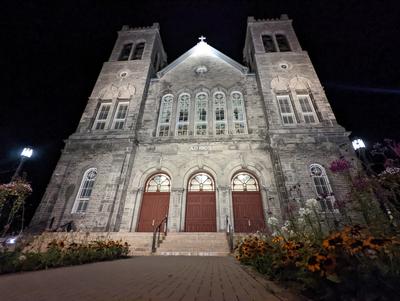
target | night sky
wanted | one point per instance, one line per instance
(52, 53)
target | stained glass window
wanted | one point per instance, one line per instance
(158, 183)
(244, 181)
(201, 182)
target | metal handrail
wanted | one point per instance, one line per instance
(157, 234)
(229, 234)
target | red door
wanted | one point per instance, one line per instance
(154, 208)
(200, 212)
(248, 211)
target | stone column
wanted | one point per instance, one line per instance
(175, 210)
(224, 206)
(129, 218)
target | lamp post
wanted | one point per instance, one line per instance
(360, 149)
(25, 154)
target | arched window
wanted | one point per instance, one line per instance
(238, 113)
(165, 115)
(322, 187)
(220, 113)
(244, 181)
(201, 114)
(138, 52)
(201, 182)
(85, 191)
(159, 183)
(268, 42)
(182, 118)
(282, 42)
(125, 52)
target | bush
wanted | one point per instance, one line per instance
(60, 254)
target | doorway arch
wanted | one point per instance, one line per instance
(247, 206)
(200, 204)
(155, 202)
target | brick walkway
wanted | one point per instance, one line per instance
(139, 278)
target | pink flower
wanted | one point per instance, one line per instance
(340, 165)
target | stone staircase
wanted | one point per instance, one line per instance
(194, 244)
(174, 244)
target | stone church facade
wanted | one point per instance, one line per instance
(202, 139)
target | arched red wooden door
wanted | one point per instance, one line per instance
(155, 202)
(200, 204)
(248, 212)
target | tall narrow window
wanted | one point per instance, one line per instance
(285, 106)
(307, 109)
(165, 115)
(322, 187)
(268, 42)
(238, 113)
(120, 116)
(182, 118)
(125, 52)
(220, 113)
(85, 191)
(102, 116)
(283, 43)
(201, 114)
(138, 52)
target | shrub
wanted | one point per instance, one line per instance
(59, 254)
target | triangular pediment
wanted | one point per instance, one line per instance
(202, 49)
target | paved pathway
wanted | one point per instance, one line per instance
(139, 278)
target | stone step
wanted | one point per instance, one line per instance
(191, 253)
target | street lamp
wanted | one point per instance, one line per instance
(25, 154)
(357, 144)
(360, 148)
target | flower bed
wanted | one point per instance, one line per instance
(59, 254)
(350, 264)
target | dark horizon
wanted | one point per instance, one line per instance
(55, 52)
